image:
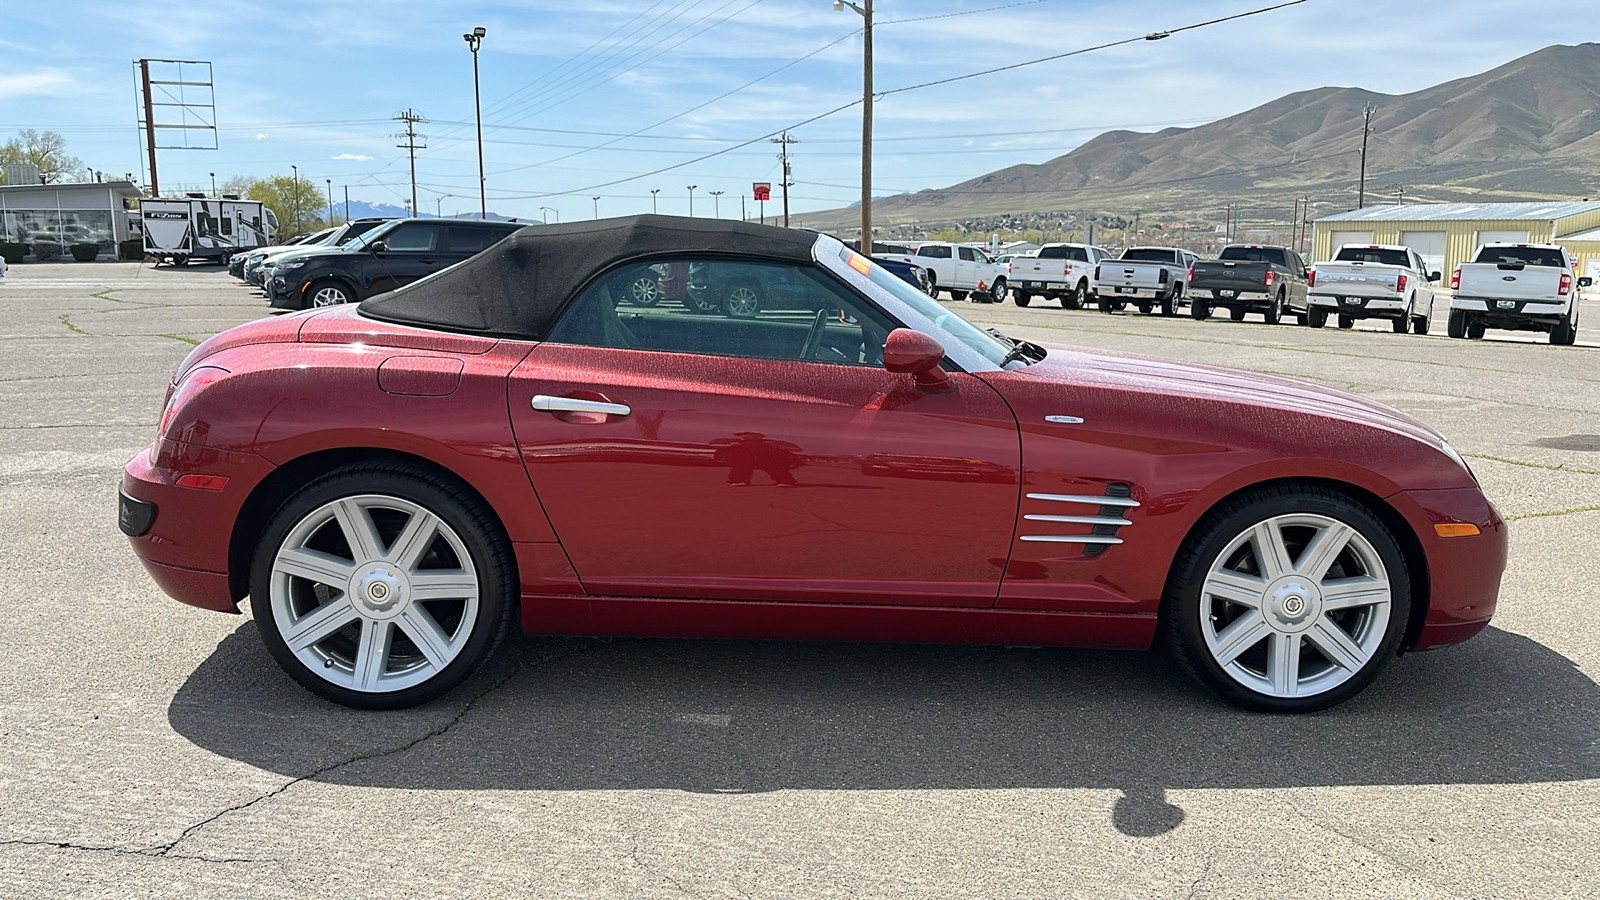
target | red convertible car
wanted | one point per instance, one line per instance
(393, 484)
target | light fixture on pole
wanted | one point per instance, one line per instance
(330, 200)
(865, 9)
(653, 193)
(550, 209)
(474, 38)
(295, 219)
(213, 184)
(596, 199)
(691, 199)
(716, 201)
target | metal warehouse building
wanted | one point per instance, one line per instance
(1446, 234)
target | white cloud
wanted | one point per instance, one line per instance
(361, 157)
(49, 83)
(261, 135)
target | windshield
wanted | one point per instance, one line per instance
(952, 326)
(321, 237)
(369, 237)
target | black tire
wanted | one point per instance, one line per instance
(476, 531)
(1316, 318)
(1274, 314)
(1103, 303)
(1563, 333)
(958, 296)
(328, 292)
(999, 291)
(1021, 299)
(1346, 323)
(1475, 330)
(933, 285)
(1375, 630)
(1169, 303)
(1237, 313)
(1400, 325)
(644, 289)
(1456, 325)
(1145, 308)
(1419, 325)
(1199, 308)
(1077, 298)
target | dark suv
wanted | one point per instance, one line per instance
(381, 260)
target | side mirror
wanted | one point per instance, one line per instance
(1585, 281)
(1433, 276)
(378, 246)
(918, 355)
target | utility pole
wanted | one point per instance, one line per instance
(1227, 223)
(716, 202)
(1366, 131)
(347, 204)
(411, 117)
(783, 154)
(1294, 225)
(149, 125)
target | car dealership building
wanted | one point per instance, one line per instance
(66, 214)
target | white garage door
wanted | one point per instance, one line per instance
(1340, 238)
(1429, 245)
(1502, 237)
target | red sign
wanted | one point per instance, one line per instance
(763, 190)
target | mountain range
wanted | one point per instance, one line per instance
(1527, 130)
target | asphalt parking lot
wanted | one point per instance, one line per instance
(151, 749)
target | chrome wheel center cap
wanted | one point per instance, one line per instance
(1292, 604)
(379, 592)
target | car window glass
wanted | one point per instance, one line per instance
(935, 252)
(1528, 256)
(968, 254)
(722, 307)
(411, 236)
(467, 239)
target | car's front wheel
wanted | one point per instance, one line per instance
(328, 293)
(1287, 599)
(998, 291)
(378, 587)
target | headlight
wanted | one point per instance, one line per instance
(296, 264)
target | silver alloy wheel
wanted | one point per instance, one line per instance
(743, 302)
(645, 291)
(1287, 585)
(369, 613)
(999, 290)
(329, 295)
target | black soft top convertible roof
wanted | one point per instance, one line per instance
(518, 287)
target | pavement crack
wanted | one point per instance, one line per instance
(166, 850)
(1194, 886)
(121, 851)
(1550, 514)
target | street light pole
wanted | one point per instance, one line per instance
(330, 201)
(474, 38)
(865, 9)
(716, 201)
(653, 193)
(213, 184)
(295, 220)
(596, 200)
(550, 209)
(691, 199)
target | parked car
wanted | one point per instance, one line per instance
(1247, 278)
(961, 270)
(1517, 287)
(1060, 271)
(394, 484)
(1372, 281)
(390, 256)
(343, 236)
(256, 259)
(1147, 277)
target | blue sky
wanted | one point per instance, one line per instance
(315, 85)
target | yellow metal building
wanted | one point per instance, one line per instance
(1447, 234)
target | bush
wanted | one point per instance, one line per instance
(13, 252)
(46, 251)
(132, 248)
(85, 252)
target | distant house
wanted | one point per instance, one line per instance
(1447, 234)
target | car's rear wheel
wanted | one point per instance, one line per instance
(1237, 314)
(1456, 325)
(1419, 325)
(328, 293)
(743, 300)
(1346, 323)
(958, 296)
(1077, 297)
(1169, 303)
(378, 587)
(1475, 329)
(1274, 313)
(1400, 325)
(1287, 599)
(1199, 308)
(1145, 308)
(1563, 333)
(1316, 318)
(1021, 299)
(644, 289)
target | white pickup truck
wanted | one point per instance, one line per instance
(1517, 287)
(1147, 277)
(1063, 271)
(1372, 281)
(962, 270)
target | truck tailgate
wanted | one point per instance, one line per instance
(1356, 279)
(1507, 281)
(1141, 275)
(1225, 275)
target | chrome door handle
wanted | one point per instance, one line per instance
(546, 403)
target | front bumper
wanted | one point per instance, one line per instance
(282, 293)
(1463, 573)
(183, 535)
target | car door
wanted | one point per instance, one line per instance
(967, 267)
(410, 251)
(687, 454)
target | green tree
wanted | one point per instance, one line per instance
(45, 149)
(297, 204)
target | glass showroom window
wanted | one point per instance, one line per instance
(59, 228)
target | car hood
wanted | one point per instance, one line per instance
(1079, 367)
